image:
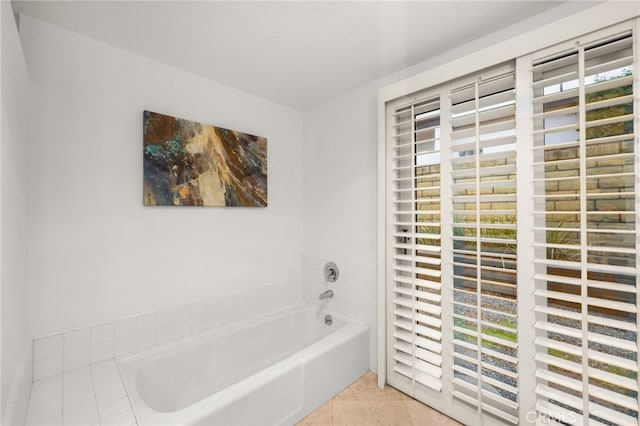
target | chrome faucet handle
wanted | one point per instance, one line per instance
(331, 272)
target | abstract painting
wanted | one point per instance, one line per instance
(192, 164)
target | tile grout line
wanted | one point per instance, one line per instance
(62, 387)
(404, 404)
(95, 393)
(332, 416)
(126, 392)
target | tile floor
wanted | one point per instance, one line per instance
(364, 404)
(92, 395)
(95, 395)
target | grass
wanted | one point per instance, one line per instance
(489, 331)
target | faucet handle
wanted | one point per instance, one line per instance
(331, 272)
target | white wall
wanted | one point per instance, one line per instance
(340, 178)
(340, 158)
(14, 177)
(96, 253)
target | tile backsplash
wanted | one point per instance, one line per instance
(77, 348)
(354, 293)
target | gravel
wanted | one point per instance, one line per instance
(501, 305)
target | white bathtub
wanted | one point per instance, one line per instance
(272, 370)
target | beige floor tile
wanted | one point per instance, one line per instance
(364, 404)
(321, 417)
(406, 397)
(366, 389)
(423, 415)
(369, 413)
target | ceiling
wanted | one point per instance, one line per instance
(297, 53)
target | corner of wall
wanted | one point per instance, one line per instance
(15, 411)
(16, 342)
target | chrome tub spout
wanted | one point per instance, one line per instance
(326, 295)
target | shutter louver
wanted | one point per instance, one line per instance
(585, 235)
(483, 153)
(416, 244)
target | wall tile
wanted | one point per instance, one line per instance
(47, 367)
(165, 334)
(226, 309)
(84, 412)
(146, 322)
(214, 313)
(145, 340)
(47, 388)
(45, 407)
(182, 313)
(199, 309)
(109, 390)
(123, 419)
(114, 408)
(213, 322)
(77, 383)
(102, 334)
(198, 325)
(165, 318)
(182, 329)
(214, 306)
(240, 311)
(125, 345)
(294, 293)
(142, 332)
(77, 340)
(252, 296)
(102, 351)
(104, 372)
(252, 302)
(48, 347)
(126, 327)
(76, 359)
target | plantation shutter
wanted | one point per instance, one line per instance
(505, 309)
(585, 195)
(483, 153)
(415, 248)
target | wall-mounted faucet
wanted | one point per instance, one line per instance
(326, 295)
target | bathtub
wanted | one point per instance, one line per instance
(272, 370)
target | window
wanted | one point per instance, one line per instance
(533, 162)
(585, 234)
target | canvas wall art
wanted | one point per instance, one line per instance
(192, 164)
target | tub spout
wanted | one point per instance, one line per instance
(326, 295)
